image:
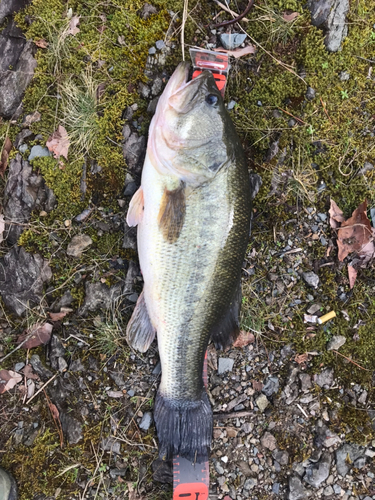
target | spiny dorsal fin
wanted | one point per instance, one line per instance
(136, 207)
(172, 213)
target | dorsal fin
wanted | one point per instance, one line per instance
(135, 211)
(172, 213)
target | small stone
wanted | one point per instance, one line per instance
(370, 453)
(323, 241)
(336, 342)
(271, 386)
(314, 308)
(344, 76)
(146, 421)
(363, 397)
(224, 459)
(259, 104)
(351, 451)
(276, 488)
(360, 463)
(262, 402)
(322, 217)
(131, 393)
(337, 489)
(18, 366)
(225, 365)
(38, 152)
(268, 441)
(310, 93)
(219, 468)
(23, 148)
(296, 489)
(152, 51)
(328, 491)
(281, 456)
(311, 279)
(249, 484)
(62, 364)
(233, 40)
(231, 105)
(291, 122)
(78, 245)
(325, 378)
(160, 44)
(318, 472)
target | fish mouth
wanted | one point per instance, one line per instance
(180, 95)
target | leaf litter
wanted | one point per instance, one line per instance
(38, 335)
(354, 235)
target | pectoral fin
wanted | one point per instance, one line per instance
(172, 213)
(135, 211)
(140, 333)
(228, 328)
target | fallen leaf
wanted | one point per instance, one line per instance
(43, 44)
(243, 339)
(355, 234)
(28, 372)
(290, 17)
(30, 389)
(352, 273)
(57, 316)
(249, 49)
(74, 21)
(100, 91)
(2, 228)
(336, 215)
(301, 358)
(58, 143)
(40, 334)
(8, 379)
(7, 146)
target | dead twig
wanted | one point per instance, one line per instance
(235, 414)
(351, 361)
(238, 18)
(42, 388)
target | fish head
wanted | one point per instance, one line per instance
(189, 132)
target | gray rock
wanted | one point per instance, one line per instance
(22, 276)
(148, 10)
(328, 491)
(99, 296)
(151, 108)
(336, 342)
(322, 217)
(76, 366)
(56, 351)
(17, 53)
(305, 381)
(71, 427)
(310, 93)
(24, 192)
(281, 456)
(231, 105)
(262, 402)
(318, 472)
(157, 86)
(157, 369)
(255, 184)
(231, 41)
(271, 386)
(276, 488)
(160, 44)
(324, 378)
(118, 378)
(296, 489)
(250, 483)
(225, 365)
(353, 451)
(23, 148)
(344, 76)
(38, 152)
(21, 136)
(360, 463)
(78, 245)
(337, 489)
(130, 237)
(131, 278)
(65, 300)
(219, 469)
(311, 279)
(152, 51)
(134, 148)
(268, 441)
(9, 7)
(144, 90)
(131, 393)
(146, 421)
(111, 444)
(38, 367)
(331, 16)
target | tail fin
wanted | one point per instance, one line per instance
(184, 428)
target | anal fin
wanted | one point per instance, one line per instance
(140, 333)
(227, 329)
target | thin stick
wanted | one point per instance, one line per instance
(351, 361)
(231, 12)
(184, 17)
(235, 414)
(42, 388)
(302, 410)
(295, 117)
(238, 18)
(325, 110)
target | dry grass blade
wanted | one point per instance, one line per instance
(184, 17)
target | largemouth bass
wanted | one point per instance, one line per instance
(193, 215)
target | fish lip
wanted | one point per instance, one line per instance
(186, 83)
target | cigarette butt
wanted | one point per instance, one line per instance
(327, 317)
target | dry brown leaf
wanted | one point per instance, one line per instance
(243, 339)
(8, 379)
(43, 44)
(249, 49)
(352, 273)
(58, 143)
(355, 234)
(7, 146)
(73, 30)
(57, 316)
(301, 358)
(54, 411)
(30, 389)
(290, 17)
(28, 372)
(40, 334)
(336, 215)
(30, 119)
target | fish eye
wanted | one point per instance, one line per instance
(211, 99)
